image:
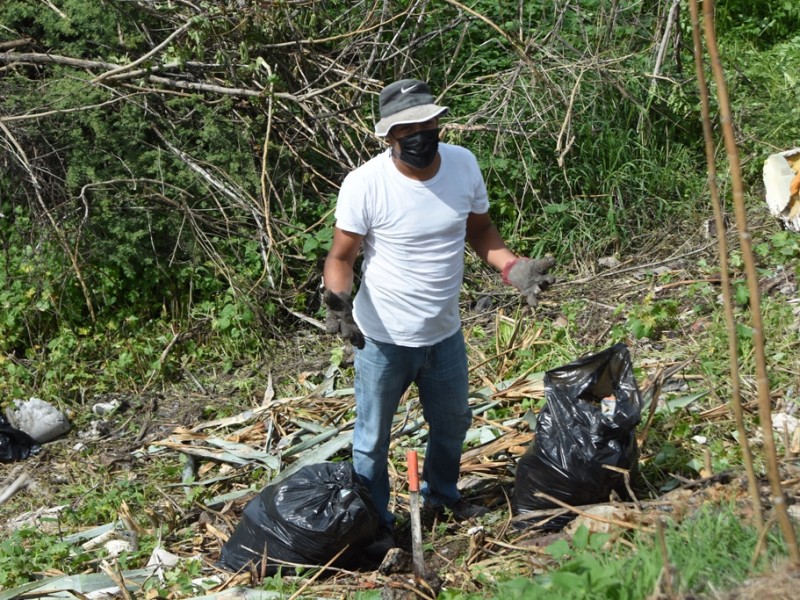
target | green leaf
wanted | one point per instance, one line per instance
(559, 549)
(598, 540)
(556, 208)
(569, 582)
(580, 540)
(742, 294)
(310, 244)
(682, 402)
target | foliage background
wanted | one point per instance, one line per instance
(170, 169)
(169, 173)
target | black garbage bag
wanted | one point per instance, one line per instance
(306, 518)
(592, 408)
(15, 444)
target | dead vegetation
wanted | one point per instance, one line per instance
(200, 472)
(160, 439)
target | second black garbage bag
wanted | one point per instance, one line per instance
(589, 420)
(306, 519)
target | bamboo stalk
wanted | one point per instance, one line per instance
(733, 351)
(762, 383)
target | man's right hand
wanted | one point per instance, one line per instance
(340, 317)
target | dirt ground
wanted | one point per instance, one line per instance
(103, 451)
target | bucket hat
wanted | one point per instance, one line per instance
(404, 102)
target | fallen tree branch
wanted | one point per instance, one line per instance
(18, 484)
(15, 43)
(36, 58)
(588, 515)
(148, 55)
(64, 111)
(10, 58)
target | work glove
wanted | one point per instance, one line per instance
(340, 318)
(529, 276)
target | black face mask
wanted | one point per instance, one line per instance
(419, 149)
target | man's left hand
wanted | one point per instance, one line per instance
(530, 276)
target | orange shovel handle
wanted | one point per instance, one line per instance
(413, 470)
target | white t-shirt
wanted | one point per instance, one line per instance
(414, 235)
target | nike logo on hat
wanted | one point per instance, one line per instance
(405, 90)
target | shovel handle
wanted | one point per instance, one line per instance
(413, 470)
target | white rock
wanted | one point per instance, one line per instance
(608, 262)
(39, 419)
(781, 420)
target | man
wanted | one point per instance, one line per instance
(412, 208)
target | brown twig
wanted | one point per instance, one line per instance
(666, 569)
(583, 513)
(22, 157)
(658, 381)
(114, 571)
(316, 575)
(167, 41)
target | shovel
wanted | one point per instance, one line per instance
(416, 520)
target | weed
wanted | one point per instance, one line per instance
(709, 550)
(27, 551)
(649, 318)
(188, 254)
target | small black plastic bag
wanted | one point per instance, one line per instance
(307, 519)
(592, 408)
(15, 444)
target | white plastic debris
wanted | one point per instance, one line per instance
(600, 518)
(608, 406)
(779, 171)
(102, 409)
(114, 541)
(116, 547)
(99, 540)
(39, 419)
(163, 558)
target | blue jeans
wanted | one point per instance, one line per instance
(383, 372)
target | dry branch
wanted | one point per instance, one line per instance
(121, 69)
(36, 58)
(301, 102)
(19, 153)
(10, 45)
(18, 484)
